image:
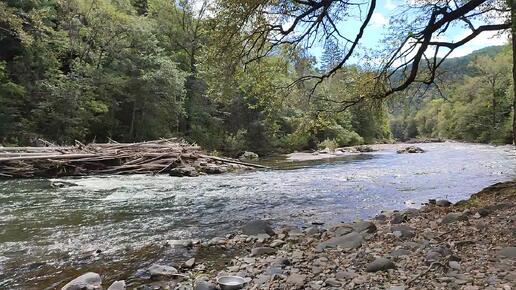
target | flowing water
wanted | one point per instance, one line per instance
(45, 230)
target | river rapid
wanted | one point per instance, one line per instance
(116, 224)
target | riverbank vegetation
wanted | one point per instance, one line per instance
(145, 69)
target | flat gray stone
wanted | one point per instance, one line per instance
(380, 264)
(89, 281)
(350, 241)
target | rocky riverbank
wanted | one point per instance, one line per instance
(467, 245)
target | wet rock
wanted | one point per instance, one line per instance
(508, 252)
(403, 231)
(380, 264)
(248, 155)
(364, 226)
(352, 240)
(88, 281)
(117, 285)
(258, 227)
(157, 271)
(411, 149)
(443, 203)
(453, 217)
(296, 280)
(259, 251)
(204, 285)
(183, 171)
(189, 263)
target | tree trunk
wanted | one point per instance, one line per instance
(513, 19)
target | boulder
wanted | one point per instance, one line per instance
(453, 217)
(350, 241)
(88, 281)
(380, 264)
(257, 227)
(411, 149)
(118, 285)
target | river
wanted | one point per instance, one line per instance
(46, 231)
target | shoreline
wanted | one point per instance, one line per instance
(467, 245)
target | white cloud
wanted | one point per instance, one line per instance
(390, 5)
(379, 20)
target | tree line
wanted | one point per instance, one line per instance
(133, 70)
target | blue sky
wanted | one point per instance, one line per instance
(376, 31)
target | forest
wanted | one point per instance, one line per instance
(139, 70)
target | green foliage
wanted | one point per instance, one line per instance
(136, 70)
(477, 109)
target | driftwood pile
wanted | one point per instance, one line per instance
(167, 156)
